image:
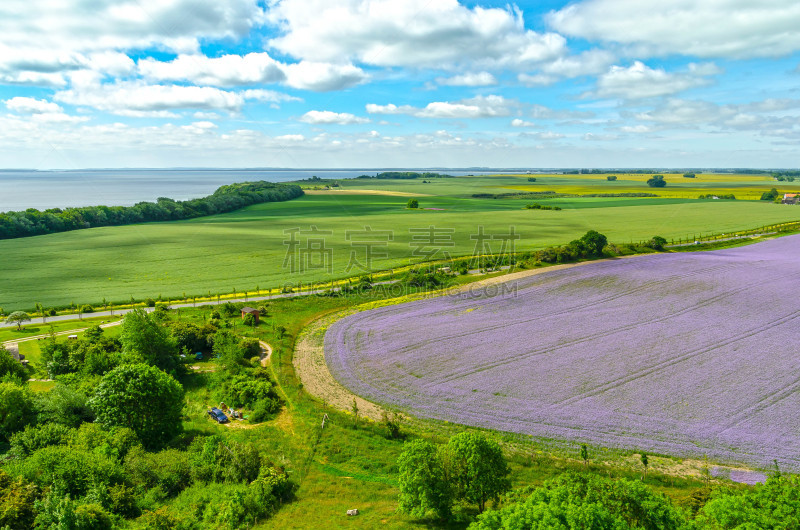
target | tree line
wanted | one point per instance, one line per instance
(228, 198)
(405, 175)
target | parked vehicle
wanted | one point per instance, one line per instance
(218, 415)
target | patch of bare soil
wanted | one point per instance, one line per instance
(311, 369)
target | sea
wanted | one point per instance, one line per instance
(23, 189)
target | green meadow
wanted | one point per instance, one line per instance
(247, 249)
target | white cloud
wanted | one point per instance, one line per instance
(391, 108)
(477, 107)
(536, 79)
(683, 112)
(639, 81)
(516, 122)
(320, 117)
(415, 33)
(269, 96)
(544, 136)
(323, 77)
(124, 97)
(636, 129)
(41, 111)
(590, 62)
(592, 137)
(100, 25)
(470, 79)
(541, 112)
(44, 41)
(722, 28)
(25, 105)
(290, 138)
(225, 71)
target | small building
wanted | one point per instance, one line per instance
(250, 311)
(791, 198)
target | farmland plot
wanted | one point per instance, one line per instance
(686, 354)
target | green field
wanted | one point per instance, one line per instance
(245, 249)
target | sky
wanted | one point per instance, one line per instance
(399, 83)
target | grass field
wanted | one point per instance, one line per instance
(246, 249)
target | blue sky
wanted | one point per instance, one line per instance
(399, 83)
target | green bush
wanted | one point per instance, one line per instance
(168, 469)
(16, 409)
(34, 438)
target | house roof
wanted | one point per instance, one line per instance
(790, 195)
(249, 310)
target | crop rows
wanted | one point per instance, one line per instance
(688, 354)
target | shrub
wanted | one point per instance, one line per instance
(16, 409)
(168, 469)
(412, 203)
(17, 499)
(611, 177)
(656, 181)
(34, 438)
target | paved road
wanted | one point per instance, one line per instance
(117, 312)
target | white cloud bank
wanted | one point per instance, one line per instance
(413, 33)
(719, 28)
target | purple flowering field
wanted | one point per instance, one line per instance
(688, 354)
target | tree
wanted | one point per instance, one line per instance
(770, 195)
(145, 340)
(585, 455)
(476, 468)
(412, 203)
(595, 242)
(611, 178)
(16, 409)
(40, 310)
(423, 487)
(142, 398)
(586, 501)
(354, 410)
(656, 181)
(18, 317)
(657, 243)
(10, 367)
(645, 462)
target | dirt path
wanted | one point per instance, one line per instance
(311, 369)
(266, 352)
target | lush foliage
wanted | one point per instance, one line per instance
(469, 468)
(32, 222)
(142, 398)
(656, 181)
(145, 340)
(578, 501)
